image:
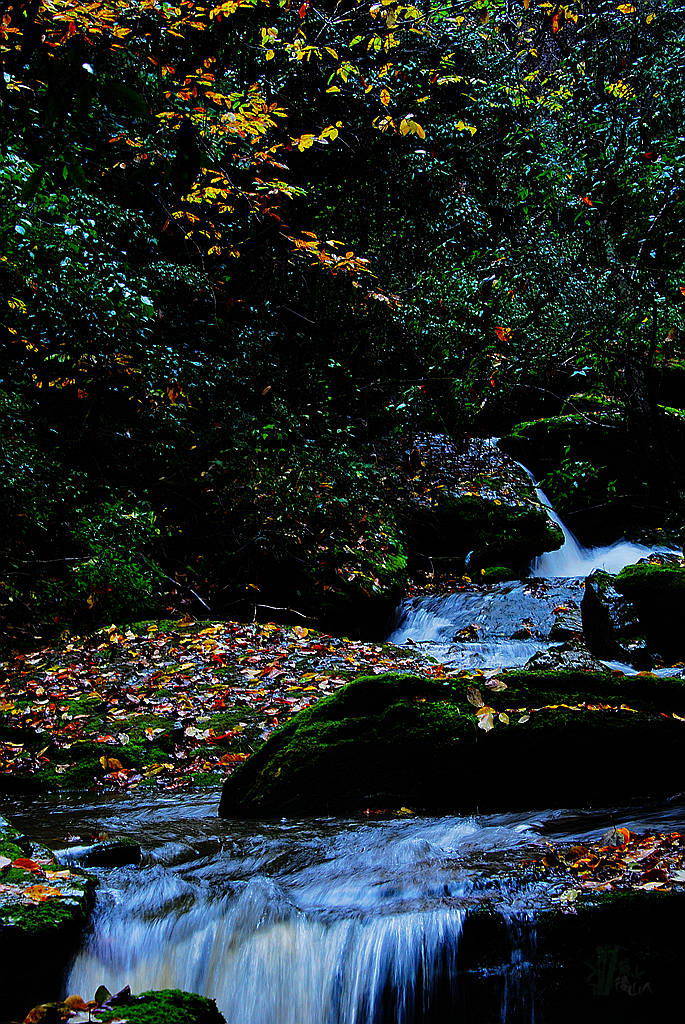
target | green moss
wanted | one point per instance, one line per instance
(206, 779)
(170, 1006)
(402, 740)
(636, 581)
(54, 917)
(497, 574)
(51, 916)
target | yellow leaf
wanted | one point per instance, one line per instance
(270, 54)
(40, 893)
(385, 97)
(627, 8)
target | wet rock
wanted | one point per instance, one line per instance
(596, 957)
(111, 853)
(568, 625)
(658, 594)
(568, 657)
(390, 741)
(497, 574)
(486, 512)
(610, 621)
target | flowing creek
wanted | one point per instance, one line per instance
(327, 921)
(336, 921)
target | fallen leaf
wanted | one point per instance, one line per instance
(475, 697)
(485, 719)
(41, 893)
(27, 865)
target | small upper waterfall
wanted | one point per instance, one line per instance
(503, 625)
(573, 559)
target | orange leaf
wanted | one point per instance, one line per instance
(27, 865)
(232, 758)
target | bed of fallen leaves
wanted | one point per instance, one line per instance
(172, 703)
(621, 860)
(435, 463)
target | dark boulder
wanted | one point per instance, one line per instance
(568, 656)
(611, 624)
(658, 595)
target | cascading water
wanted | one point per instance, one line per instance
(572, 559)
(328, 921)
(323, 922)
(504, 625)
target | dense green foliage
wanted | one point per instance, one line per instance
(201, 363)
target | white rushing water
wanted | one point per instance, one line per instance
(329, 922)
(325, 921)
(500, 625)
(572, 559)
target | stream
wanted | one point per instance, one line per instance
(344, 921)
(322, 921)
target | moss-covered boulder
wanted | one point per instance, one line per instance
(168, 1006)
(393, 740)
(44, 906)
(492, 532)
(658, 595)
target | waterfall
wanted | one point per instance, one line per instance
(263, 967)
(572, 559)
(305, 924)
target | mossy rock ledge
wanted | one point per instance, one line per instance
(167, 1006)
(399, 740)
(38, 936)
(493, 532)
